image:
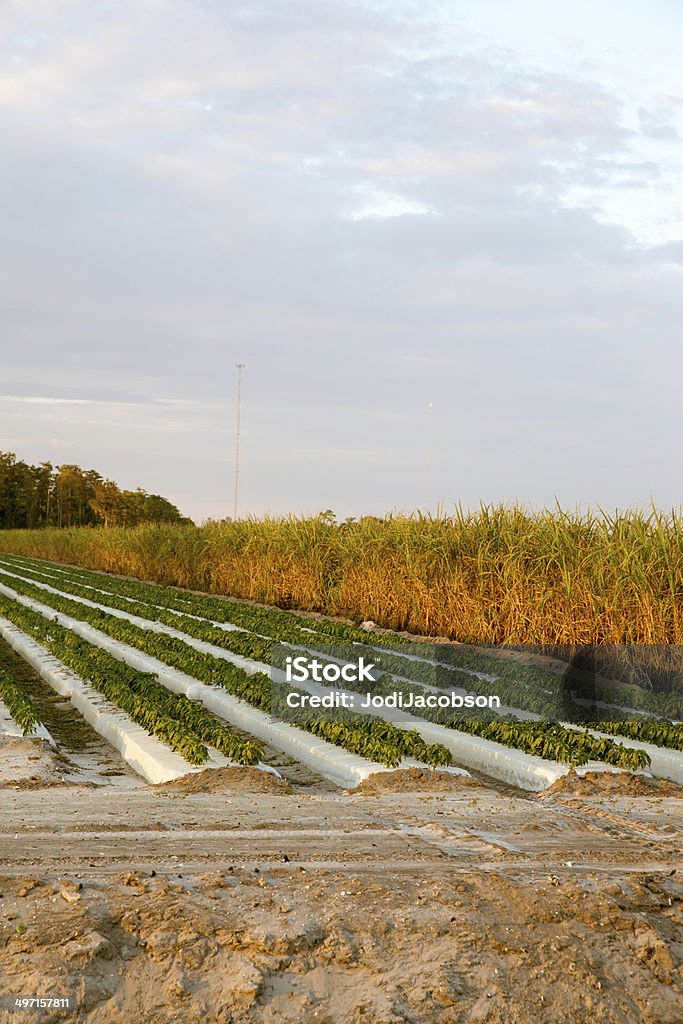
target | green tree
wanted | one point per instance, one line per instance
(35, 496)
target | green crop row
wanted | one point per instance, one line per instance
(19, 704)
(172, 718)
(359, 734)
(245, 644)
(661, 734)
(549, 740)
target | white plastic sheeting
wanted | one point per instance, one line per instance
(664, 763)
(228, 627)
(504, 763)
(247, 664)
(500, 762)
(150, 758)
(340, 766)
(525, 771)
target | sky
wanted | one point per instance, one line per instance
(445, 238)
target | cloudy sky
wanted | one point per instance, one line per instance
(375, 206)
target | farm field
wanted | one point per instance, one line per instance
(93, 623)
(419, 869)
(341, 537)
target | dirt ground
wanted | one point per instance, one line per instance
(470, 903)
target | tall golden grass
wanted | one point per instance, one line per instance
(500, 574)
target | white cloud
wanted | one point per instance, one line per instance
(373, 202)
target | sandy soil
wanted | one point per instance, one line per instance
(222, 780)
(413, 780)
(611, 783)
(28, 762)
(473, 904)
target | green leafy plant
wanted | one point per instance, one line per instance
(19, 704)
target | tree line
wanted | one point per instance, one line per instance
(44, 495)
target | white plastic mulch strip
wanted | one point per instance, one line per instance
(664, 762)
(525, 771)
(20, 561)
(515, 767)
(500, 762)
(503, 763)
(337, 765)
(8, 727)
(144, 753)
(229, 627)
(247, 664)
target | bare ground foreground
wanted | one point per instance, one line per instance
(252, 900)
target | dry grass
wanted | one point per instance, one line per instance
(500, 574)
